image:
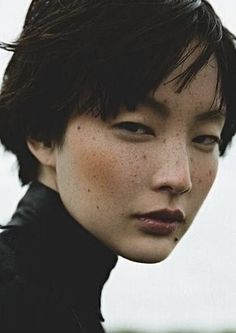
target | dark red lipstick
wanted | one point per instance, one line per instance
(161, 222)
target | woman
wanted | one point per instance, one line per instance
(117, 112)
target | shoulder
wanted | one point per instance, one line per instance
(7, 262)
(25, 305)
(14, 290)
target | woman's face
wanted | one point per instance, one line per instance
(161, 158)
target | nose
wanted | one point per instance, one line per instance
(173, 171)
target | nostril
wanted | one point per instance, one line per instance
(166, 188)
(175, 190)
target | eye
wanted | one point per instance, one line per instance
(207, 140)
(135, 128)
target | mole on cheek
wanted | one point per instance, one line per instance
(78, 128)
(210, 173)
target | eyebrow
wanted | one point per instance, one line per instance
(156, 106)
(216, 115)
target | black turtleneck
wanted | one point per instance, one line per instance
(50, 263)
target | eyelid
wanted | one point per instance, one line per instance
(216, 139)
(122, 124)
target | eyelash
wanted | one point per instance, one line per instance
(129, 125)
(214, 139)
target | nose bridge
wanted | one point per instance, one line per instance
(174, 167)
(178, 153)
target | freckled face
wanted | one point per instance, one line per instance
(140, 162)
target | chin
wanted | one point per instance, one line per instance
(148, 255)
(146, 258)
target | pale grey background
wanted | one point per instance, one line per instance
(196, 286)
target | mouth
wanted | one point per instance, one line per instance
(161, 222)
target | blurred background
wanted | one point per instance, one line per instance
(195, 288)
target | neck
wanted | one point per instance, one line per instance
(73, 261)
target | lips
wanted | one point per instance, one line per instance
(162, 222)
(164, 215)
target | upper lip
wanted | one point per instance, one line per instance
(164, 214)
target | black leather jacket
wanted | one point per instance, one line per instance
(51, 269)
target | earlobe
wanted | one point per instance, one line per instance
(45, 154)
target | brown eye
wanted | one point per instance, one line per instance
(207, 140)
(135, 128)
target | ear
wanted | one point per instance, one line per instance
(44, 154)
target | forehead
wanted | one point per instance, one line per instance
(202, 90)
(199, 101)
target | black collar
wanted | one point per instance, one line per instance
(64, 255)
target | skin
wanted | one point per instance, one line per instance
(104, 173)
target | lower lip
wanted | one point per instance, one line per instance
(157, 227)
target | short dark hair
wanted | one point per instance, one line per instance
(98, 55)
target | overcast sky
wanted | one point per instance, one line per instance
(196, 286)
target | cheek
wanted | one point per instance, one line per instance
(101, 169)
(108, 171)
(205, 175)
